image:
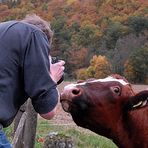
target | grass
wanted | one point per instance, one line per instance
(82, 138)
(8, 131)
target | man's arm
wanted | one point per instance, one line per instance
(56, 72)
(40, 77)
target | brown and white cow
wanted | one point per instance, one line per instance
(109, 107)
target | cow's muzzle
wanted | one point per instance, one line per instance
(67, 97)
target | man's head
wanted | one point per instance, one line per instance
(40, 23)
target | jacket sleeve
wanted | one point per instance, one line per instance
(38, 84)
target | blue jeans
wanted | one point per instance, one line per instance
(4, 143)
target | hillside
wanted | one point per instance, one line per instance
(84, 28)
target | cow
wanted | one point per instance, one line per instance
(111, 108)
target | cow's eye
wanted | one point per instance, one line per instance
(116, 90)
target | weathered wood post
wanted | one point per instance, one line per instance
(18, 135)
(25, 129)
(19, 115)
(19, 123)
(30, 126)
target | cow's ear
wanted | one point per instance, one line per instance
(138, 101)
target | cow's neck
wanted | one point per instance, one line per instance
(126, 129)
(121, 137)
(117, 132)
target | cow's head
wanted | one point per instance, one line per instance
(99, 104)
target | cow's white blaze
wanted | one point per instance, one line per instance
(108, 79)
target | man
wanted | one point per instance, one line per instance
(26, 70)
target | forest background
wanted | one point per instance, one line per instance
(95, 37)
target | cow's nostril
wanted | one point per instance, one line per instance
(76, 91)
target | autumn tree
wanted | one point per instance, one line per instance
(103, 27)
(129, 71)
(99, 68)
(125, 47)
(81, 74)
(77, 59)
(136, 68)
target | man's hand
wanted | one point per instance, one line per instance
(56, 70)
(49, 115)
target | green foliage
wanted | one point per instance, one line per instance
(58, 23)
(61, 33)
(114, 31)
(86, 36)
(62, 36)
(45, 7)
(138, 23)
(75, 27)
(136, 68)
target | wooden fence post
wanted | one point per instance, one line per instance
(25, 127)
(30, 126)
(17, 140)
